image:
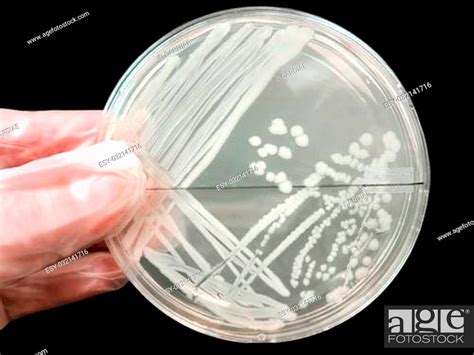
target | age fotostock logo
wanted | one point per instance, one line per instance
(429, 326)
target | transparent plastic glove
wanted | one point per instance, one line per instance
(56, 200)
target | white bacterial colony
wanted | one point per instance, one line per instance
(202, 99)
(265, 150)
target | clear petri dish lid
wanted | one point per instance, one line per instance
(285, 192)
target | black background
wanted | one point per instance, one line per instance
(78, 67)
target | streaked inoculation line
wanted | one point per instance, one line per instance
(214, 87)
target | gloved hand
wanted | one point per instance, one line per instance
(56, 200)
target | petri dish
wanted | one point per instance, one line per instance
(284, 193)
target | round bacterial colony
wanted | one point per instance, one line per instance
(284, 196)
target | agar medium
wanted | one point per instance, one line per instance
(283, 196)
